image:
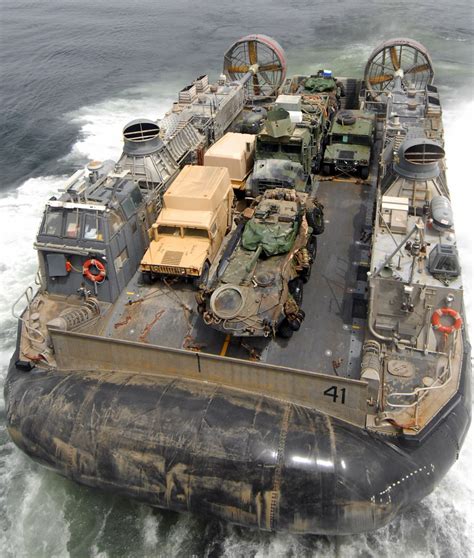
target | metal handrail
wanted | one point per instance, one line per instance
(28, 294)
(34, 335)
(421, 390)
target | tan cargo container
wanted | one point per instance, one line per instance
(197, 188)
(236, 153)
(189, 231)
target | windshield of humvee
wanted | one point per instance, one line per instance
(291, 148)
(351, 139)
(171, 230)
(267, 147)
(199, 233)
(274, 147)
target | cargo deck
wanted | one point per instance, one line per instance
(330, 337)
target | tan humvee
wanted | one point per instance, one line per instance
(196, 215)
(236, 153)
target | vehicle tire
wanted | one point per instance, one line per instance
(294, 324)
(312, 247)
(346, 118)
(146, 278)
(327, 169)
(284, 329)
(316, 165)
(364, 173)
(315, 219)
(201, 308)
(296, 290)
(202, 279)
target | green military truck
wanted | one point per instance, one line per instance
(349, 144)
(284, 153)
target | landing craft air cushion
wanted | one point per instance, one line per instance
(121, 386)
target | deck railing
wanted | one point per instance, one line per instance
(420, 393)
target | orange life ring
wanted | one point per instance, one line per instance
(94, 277)
(436, 320)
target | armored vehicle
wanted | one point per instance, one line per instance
(258, 290)
(188, 233)
(119, 385)
(349, 143)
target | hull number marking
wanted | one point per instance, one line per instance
(336, 394)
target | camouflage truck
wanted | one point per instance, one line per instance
(187, 235)
(283, 155)
(289, 147)
(349, 143)
(258, 288)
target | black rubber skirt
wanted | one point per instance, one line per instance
(246, 458)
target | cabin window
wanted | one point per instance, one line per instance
(136, 196)
(120, 260)
(174, 231)
(268, 147)
(361, 140)
(72, 224)
(93, 227)
(53, 223)
(128, 208)
(291, 148)
(116, 222)
(199, 233)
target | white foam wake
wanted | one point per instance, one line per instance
(102, 124)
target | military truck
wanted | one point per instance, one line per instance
(283, 155)
(349, 143)
(187, 235)
(258, 288)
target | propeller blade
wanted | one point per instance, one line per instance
(252, 52)
(394, 58)
(256, 85)
(269, 68)
(418, 69)
(380, 79)
(238, 69)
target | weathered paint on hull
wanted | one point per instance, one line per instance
(245, 458)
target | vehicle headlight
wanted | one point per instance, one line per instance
(227, 301)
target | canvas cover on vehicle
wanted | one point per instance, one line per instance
(319, 84)
(274, 238)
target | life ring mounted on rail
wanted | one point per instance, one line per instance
(447, 329)
(94, 277)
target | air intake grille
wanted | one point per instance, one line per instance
(172, 257)
(142, 130)
(346, 155)
(424, 153)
